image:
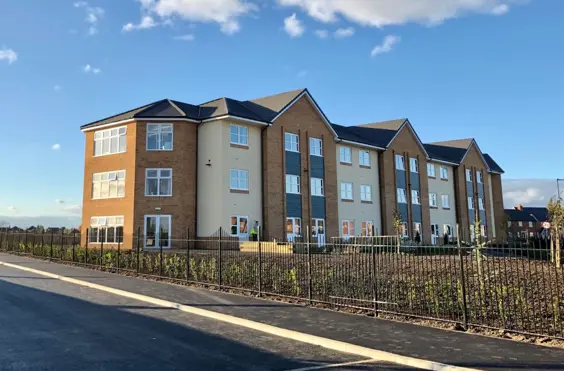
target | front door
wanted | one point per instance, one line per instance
(318, 231)
(157, 231)
(240, 227)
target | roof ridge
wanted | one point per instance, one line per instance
(301, 90)
(213, 100)
(146, 108)
(176, 107)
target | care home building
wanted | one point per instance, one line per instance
(170, 168)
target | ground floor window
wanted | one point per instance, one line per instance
(348, 228)
(367, 228)
(239, 226)
(293, 228)
(403, 230)
(317, 227)
(157, 230)
(106, 229)
(417, 233)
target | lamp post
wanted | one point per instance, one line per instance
(558, 180)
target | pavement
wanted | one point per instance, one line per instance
(48, 324)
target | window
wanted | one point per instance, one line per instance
(481, 203)
(292, 184)
(479, 176)
(445, 201)
(239, 135)
(530, 224)
(403, 230)
(317, 227)
(239, 180)
(433, 199)
(292, 142)
(159, 137)
(447, 230)
(364, 158)
(106, 229)
(431, 170)
(346, 191)
(109, 141)
(345, 154)
(520, 224)
(315, 147)
(471, 203)
(444, 172)
(108, 185)
(348, 228)
(417, 229)
(293, 227)
(483, 230)
(316, 187)
(239, 226)
(413, 165)
(468, 175)
(400, 162)
(158, 182)
(415, 197)
(402, 196)
(509, 223)
(365, 193)
(157, 231)
(367, 228)
(435, 230)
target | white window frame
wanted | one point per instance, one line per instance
(120, 135)
(291, 142)
(364, 158)
(238, 219)
(345, 154)
(509, 223)
(444, 172)
(530, 224)
(433, 202)
(447, 229)
(317, 188)
(435, 230)
(160, 133)
(479, 177)
(447, 198)
(417, 227)
(296, 224)
(520, 224)
(316, 147)
(119, 184)
(431, 170)
(404, 231)
(470, 203)
(158, 217)
(400, 162)
(415, 197)
(158, 177)
(350, 228)
(481, 204)
(401, 195)
(241, 176)
(367, 228)
(366, 192)
(413, 165)
(240, 133)
(105, 222)
(293, 184)
(469, 175)
(346, 191)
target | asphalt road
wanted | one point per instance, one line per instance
(47, 324)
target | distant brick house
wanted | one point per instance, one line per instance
(526, 222)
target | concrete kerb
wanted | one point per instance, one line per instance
(335, 345)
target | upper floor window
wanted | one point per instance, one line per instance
(239, 135)
(106, 229)
(471, 203)
(509, 223)
(366, 193)
(109, 141)
(444, 172)
(468, 175)
(159, 137)
(445, 201)
(292, 142)
(345, 154)
(520, 224)
(413, 165)
(433, 199)
(530, 224)
(364, 158)
(402, 196)
(415, 197)
(479, 177)
(400, 162)
(346, 191)
(316, 187)
(292, 184)
(239, 180)
(158, 182)
(315, 147)
(481, 203)
(108, 185)
(431, 170)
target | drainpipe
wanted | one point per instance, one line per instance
(262, 178)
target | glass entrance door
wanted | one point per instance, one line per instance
(157, 231)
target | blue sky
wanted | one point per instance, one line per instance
(489, 69)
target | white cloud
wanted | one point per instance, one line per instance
(226, 13)
(73, 209)
(342, 33)
(529, 192)
(56, 147)
(386, 46)
(501, 9)
(322, 34)
(88, 69)
(187, 37)
(293, 26)
(93, 16)
(147, 22)
(379, 13)
(80, 4)
(8, 55)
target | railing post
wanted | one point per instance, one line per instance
(102, 247)
(63, 251)
(86, 246)
(118, 250)
(138, 248)
(51, 245)
(73, 246)
(309, 278)
(462, 281)
(2, 240)
(374, 277)
(187, 254)
(260, 268)
(160, 254)
(220, 256)
(25, 243)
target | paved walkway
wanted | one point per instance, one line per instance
(452, 348)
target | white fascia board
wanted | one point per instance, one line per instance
(360, 144)
(262, 123)
(181, 119)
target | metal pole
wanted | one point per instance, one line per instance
(462, 282)
(118, 249)
(259, 268)
(102, 247)
(138, 246)
(160, 253)
(86, 246)
(220, 256)
(63, 251)
(187, 254)
(25, 243)
(309, 279)
(374, 278)
(558, 187)
(73, 246)
(51, 245)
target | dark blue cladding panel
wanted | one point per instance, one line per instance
(292, 163)
(317, 167)
(318, 207)
(293, 205)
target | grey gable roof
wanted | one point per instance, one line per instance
(365, 135)
(524, 215)
(444, 153)
(492, 164)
